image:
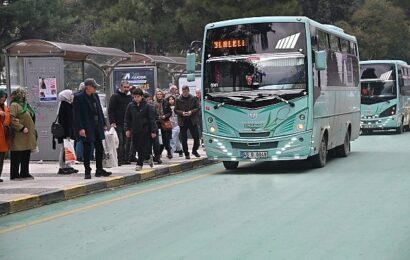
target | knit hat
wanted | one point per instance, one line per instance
(3, 93)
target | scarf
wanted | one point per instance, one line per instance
(25, 106)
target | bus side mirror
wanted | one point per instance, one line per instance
(320, 60)
(190, 66)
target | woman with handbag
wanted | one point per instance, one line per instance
(4, 125)
(65, 119)
(24, 141)
(164, 112)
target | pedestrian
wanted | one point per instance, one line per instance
(163, 113)
(24, 141)
(89, 123)
(175, 142)
(4, 125)
(154, 146)
(79, 147)
(139, 122)
(65, 119)
(200, 129)
(187, 108)
(173, 91)
(116, 112)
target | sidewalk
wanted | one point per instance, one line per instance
(49, 187)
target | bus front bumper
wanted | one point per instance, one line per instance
(290, 147)
(384, 123)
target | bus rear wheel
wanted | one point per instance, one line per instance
(343, 150)
(319, 160)
(230, 165)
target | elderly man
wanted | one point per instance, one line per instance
(116, 112)
(89, 124)
(187, 109)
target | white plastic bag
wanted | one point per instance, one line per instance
(69, 151)
(160, 137)
(110, 145)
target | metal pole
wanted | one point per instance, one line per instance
(8, 84)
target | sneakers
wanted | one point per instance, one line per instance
(196, 154)
(102, 173)
(181, 153)
(27, 177)
(66, 171)
(157, 160)
(138, 168)
(169, 155)
(187, 156)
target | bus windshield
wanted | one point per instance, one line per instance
(257, 56)
(255, 72)
(377, 83)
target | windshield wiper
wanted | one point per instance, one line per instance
(260, 96)
(221, 96)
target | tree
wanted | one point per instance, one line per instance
(382, 31)
(325, 11)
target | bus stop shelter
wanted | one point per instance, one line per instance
(150, 71)
(45, 68)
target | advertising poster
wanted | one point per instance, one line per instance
(47, 89)
(192, 85)
(142, 77)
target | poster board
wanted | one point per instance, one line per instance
(141, 77)
(47, 90)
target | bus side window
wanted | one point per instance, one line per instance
(323, 41)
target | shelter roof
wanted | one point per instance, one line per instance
(101, 56)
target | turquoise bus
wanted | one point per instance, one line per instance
(278, 88)
(385, 95)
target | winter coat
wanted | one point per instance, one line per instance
(186, 104)
(117, 106)
(22, 141)
(140, 119)
(65, 118)
(166, 111)
(4, 122)
(84, 117)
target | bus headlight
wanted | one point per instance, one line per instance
(212, 129)
(300, 126)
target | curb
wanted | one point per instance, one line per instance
(32, 201)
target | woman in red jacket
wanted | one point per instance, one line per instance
(4, 124)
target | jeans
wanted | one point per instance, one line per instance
(19, 160)
(175, 143)
(141, 142)
(123, 149)
(79, 150)
(193, 129)
(99, 153)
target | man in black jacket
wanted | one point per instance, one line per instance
(116, 112)
(89, 123)
(187, 109)
(139, 122)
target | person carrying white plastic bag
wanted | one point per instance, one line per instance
(69, 152)
(110, 145)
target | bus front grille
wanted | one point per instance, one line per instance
(267, 145)
(255, 135)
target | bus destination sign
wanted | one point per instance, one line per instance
(231, 43)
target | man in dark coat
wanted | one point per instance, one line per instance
(116, 112)
(89, 124)
(140, 122)
(187, 109)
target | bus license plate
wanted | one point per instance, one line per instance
(254, 154)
